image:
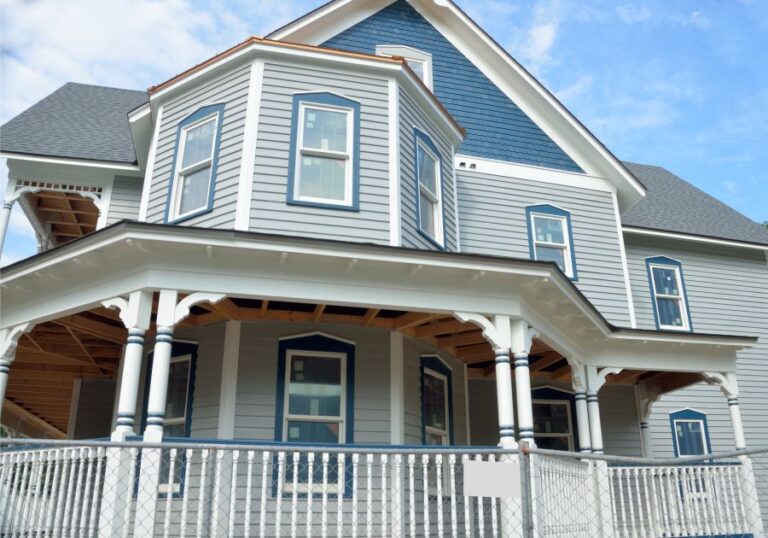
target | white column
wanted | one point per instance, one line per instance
(396, 388)
(504, 401)
(644, 408)
(229, 367)
(5, 217)
(161, 364)
(736, 423)
(582, 413)
(524, 401)
(595, 427)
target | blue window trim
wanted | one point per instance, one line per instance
(664, 260)
(689, 414)
(548, 209)
(324, 98)
(316, 342)
(178, 349)
(199, 114)
(421, 136)
(436, 364)
(552, 393)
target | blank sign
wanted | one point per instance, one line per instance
(492, 479)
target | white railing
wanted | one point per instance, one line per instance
(688, 500)
(566, 501)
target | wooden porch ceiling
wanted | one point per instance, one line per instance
(89, 345)
(68, 214)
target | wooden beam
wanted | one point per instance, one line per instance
(33, 419)
(561, 373)
(226, 307)
(94, 328)
(23, 353)
(411, 319)
(443, 327)
(627, 376)
(461, 339)
(370, 315)
(318, 313)
(546, 360)
(264, 306)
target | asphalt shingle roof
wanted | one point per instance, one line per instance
(78, 121)
(674, 205)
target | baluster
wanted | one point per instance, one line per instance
(33, 490)
(397, 496)
(233, 493)
(494, 511)
(480, 509)
(74, 467)
(187, 493)
(6, 470)
(280, 481)
(722, 477)
(694, 497)
(74, 522)
(97, 490)
(425, 490)
(467, 503)
(324, 515)
(439, 474)
(355, 460)
(310, 485)
(676, 495)
(18, 502)
(216, 509)
(248, 494)
(295, 494)
(131, 484)
(738, 504)
(369, 496)
(341, 482)
(264, 494)
(169, 493)
(84, 511)
(631, 502)
(204, 455)
(42, 504)
(705, 500)
(412, 494)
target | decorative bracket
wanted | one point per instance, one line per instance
(726, 381)
(9, 339)
(497, 331)
(135, 311)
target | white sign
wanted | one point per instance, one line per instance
(492, 479)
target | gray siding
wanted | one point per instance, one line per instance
(728, 293)
(257, 379)
(413, 350)
(270, 212)
(125, 199)
(412, 117)
(493, 221)
(231, 90)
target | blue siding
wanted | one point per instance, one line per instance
(496, 127)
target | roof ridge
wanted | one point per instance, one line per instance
(100, 86)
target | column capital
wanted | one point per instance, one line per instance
(9, 340)
(135, 310)
(726, 381)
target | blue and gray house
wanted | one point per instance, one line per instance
(301, 287)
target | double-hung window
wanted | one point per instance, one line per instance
(324, 167)
(436, 420)
(668, 293)
(428, 178)
(550, 237)
(690, 433)
(195, 162)
(552, 425)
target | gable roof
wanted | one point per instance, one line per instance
(674, 205)
(77, 121)
(494, 62)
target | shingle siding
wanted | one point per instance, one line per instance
(493, 221)
(497, 128)
(411, 118)
(231, 90)
(125, 199)
(270, 212)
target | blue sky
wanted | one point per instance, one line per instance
(682, 84)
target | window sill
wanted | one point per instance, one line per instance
(179, 220)
(431, 239)
(325, 205)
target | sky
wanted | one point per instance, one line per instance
(678, 83)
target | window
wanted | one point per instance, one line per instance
(194, 164)
(670, 305)
(550, 237)
(419, 61)
(429, 184)
(314, 404)
(325, 151)
(552, 424)
(437, 402)
(690, 434)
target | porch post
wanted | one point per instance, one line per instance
(5, 218)
(521, 344)
(602, 481)
(593, 406)
(582, 414)
(644, 408)
(9, 339)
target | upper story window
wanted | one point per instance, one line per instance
(429, 188)
(324, 168)
(437, 402)
(550, 237)
(670, 304)
(419, 61)
(194, 165)
(690, 434)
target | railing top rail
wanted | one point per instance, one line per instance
(244, 446)
(648, 462)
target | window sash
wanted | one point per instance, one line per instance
(702, 432)
(307, 151)
(446, 410)
(184, 171)
(679, 297)
(182, 418)
(557, 435)
(434, 197)
(565, 246)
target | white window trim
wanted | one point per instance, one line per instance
(565, 246)
(436, 197)
(178, 173)
(410, 54)
(686, 326)
(347, 155)
(704, 443)
(446, 433)
(569, 436)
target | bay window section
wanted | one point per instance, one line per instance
(668, 294)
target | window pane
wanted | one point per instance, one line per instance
(436, 439)
(194, 190)
(665, 280)
(551, 254)
(323, 177)
(550, 418)
(313, 432)
(427, 214)
(435, 412)
(315, 386)
(549, 230)
(178, 382)
(427, 169)
(690, 440)
(670, 312)
(417, 66)
(552, 443)
(325, 129)
(199, 143)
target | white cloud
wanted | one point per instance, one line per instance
(631, 13)
(541, 38)
(577, 88)
(699, 20)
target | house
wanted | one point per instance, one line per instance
(369, 233)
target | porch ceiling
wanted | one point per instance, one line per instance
(67, 215)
